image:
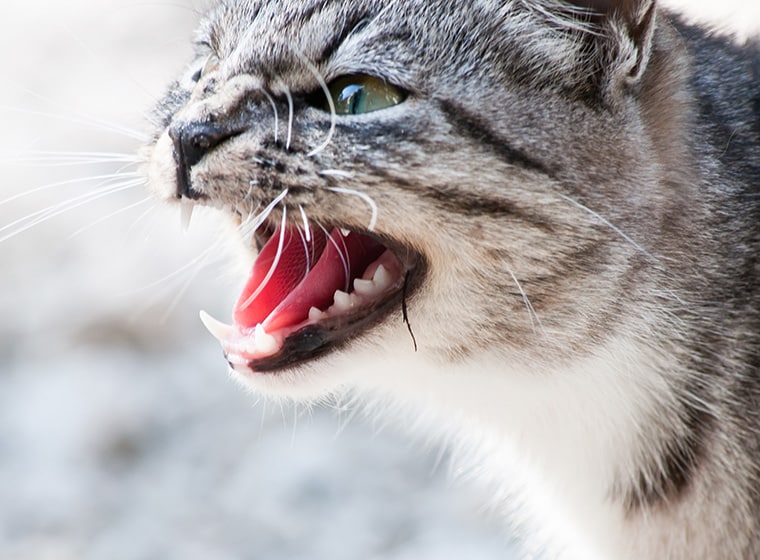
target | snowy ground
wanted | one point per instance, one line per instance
(120, 436)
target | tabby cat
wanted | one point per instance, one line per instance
(532, 226)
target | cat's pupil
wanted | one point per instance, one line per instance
(355, 95)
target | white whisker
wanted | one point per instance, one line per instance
(534, 318)
(275, 262)
(248, 229)
(201, 258)
(276, 114)
(182, 277)
(78, 180)
(110, 215)
(607, 223)
(306, 227)
(343, 255)
(365, 197)
(52, 159)
(306, 251)
(333, 115)
(41, 216)
(291, 114)
(336, 173)
(92, 123)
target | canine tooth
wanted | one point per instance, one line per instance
(218, 330)
(342, 300)
(345, 232)
(382, 277)
(265, 343)
(364, 287)
(316, 314)
(186, 214)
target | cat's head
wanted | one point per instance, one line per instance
(495, 157)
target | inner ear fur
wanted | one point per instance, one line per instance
(621, 32)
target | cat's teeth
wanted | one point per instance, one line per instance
(345, 232)
(342, 301)
(218, 330)
(316, 314)
(382, 278)
(186, 214)
(265, 343)
(365, 287)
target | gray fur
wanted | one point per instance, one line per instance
(569, 176)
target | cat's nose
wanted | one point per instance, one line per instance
(191, 142)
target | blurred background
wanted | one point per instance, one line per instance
(121, 436)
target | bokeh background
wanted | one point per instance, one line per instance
(121, 436)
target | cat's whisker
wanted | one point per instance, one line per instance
(291, 115)
(342, 254)
(533, 316)
(109, 216)
(276, 114)
(365, 197)
(306, 251)
(610, 225)
(333, 114)
(275, 262)
(63, 159)
(188, 281)
(76, 181)
(29, 221)
(251, 225)
(336, 173)
(179, 281)
(107, 125)
(201, 258)
(104, 126)
(306, 226)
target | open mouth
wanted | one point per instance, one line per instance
(309, 292)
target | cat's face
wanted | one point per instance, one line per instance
(463, 145)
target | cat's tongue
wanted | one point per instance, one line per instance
(293, 274)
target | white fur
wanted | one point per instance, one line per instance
(551, 444)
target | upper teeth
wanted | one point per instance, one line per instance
(382, 277)
(343, 301)
(186, 213)
(265, 343)
(219, 330)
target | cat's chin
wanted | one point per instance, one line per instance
(309, 295)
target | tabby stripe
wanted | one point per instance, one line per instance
(460, 201)
(473, 126)
(350, 24)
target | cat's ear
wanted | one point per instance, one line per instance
(622, 32)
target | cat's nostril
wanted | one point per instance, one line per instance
(193, 141)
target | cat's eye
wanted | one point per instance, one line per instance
(358, 94)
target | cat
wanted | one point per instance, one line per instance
(533, 225)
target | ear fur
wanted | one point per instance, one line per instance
(621, 33)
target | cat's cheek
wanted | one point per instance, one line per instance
(161, 170)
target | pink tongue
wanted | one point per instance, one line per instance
(292, 289)
(252, 307)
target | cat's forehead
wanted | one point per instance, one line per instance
(265, 30)
(273, 39)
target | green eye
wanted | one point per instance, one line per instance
(355, 95)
